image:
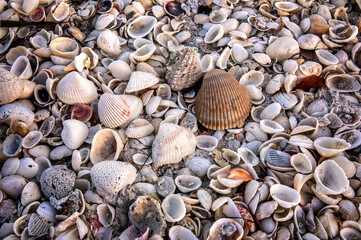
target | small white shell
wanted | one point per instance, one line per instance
(180, 233)
(325, 57)
(248, 156)
(106, 145)
(10, 167)
(329, 146)
(270, 126)
(31, 139)
(204, 198)
(106, 214)
(141, 80)
(173, 208)
(139, 128)
(206, 142)
(113, 110)
(252, 78)
(219, 188)
(120, 70)
(46, 210)
(239, 53)
(285, 196)
(74, 133)
(141, 26)
(27, 168)
(109, 43)
(30, 193)
(187, 183)
(214, 34)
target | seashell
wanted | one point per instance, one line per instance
(325, 57)
(139, 128)
(106, 146)
(219, 188)
(343, 33)
(228, 182)
(12, 185)
(106, 214)
(141, 26)
(30, 193)
(204, 198)
(10, 166)
(12, 145)
(230, 156)
(153, 105)
(173, 8)
(113, 110)
(187, 183)
(278, 160)
(74, 133)
(29, 6)
(223, 58)
(206, 142)
(286, 6)
(283, 48)
(171, 144)
(329, 146)
(31, 139)
(301, 163)
(143, 53)
(239, 174)
(27, 168)
(22, 68)
(302, 141)
(59, 12)
(47, 211)
(57, 181)
(81, 112)
(64, 47)
(275, 83)
(342, 83)
(73, 88)
(173, 208)
(270, 126)
(309, 41)
(248, 156)
(109, 43)
(233, 116)
(318, 25)
(181, 233)
(198, 166)
(214, 34)
(287, 100)
(184, 70)
(120, 69)
(239, 54)
(330, 178)
(141, 80)
(226, 228)
(271, 111)
(285, 196)
(37, 225)
(12, 88)
(218, 16)
(135, 107)
(109, 177)
(252, 78)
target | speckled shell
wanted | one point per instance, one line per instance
(73, 88)
(184, 70)
(171, 144)
(12, 88)
(109, 177)
(222, 102)
(113, 110)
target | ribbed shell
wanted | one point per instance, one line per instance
(141, 80)
(113, 110)
(37, 225)
(139, 128)
(171, 144)
(185, 69)
(10, 86)
(112, 176)
(222, 102)
(73, 88)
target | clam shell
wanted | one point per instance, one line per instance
(27, 168)
(106, 146)
(270, 126)
(248, 156)
(204, 198)
(198, 166)
(232, 96)
(31, 139)
(216, 231)
(329, 146)
(113, 110)
(74, 133)
(252, 78)
(141, 80)
(206, 142)
(287, 100)
(30, 193)
(73, 88)
(181, 233)
(139, 128)
(10, 167)
(214, 34)
(13, 185)
(16, 112)
(109, 177)
(171, 144)
(239, 54)
(330, 178)
(285, 196)
(187, 183)
(184, 70)
(22, 68)
(109, 43)
(173, 208)
(218, 187)
(283, 48)
(301, 163)
(59, 12)
(120, 70)
(342, 83)
(141, 26)
(64, 47)
(12, 145)
(144, 52)
(325, 57)
(106, 214)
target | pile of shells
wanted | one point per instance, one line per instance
(181, 120)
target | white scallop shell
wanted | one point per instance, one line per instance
(141, 80)
(173, 208)
(106, 146)
(73, 88)
(135, 107)
(113, 110)
(74, 133)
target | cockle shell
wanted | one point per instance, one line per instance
(106, 146)
(187, 183)
(74, 133)
(141, 80)
(109, 177)
(141, 26)
(173, 208)
(184, 70)
(12, 88)
(171, 144)
(113, 110)
(139, 128)
(232, 96)
(73, 88)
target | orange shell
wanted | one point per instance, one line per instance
(222, 102)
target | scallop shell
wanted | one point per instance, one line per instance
(141, 26)
(232, 96)
(139, 128)
(187, 183)
(46, 210)
(342, 83)
(74, 133)
(106, 146)
(173, 208)
(109, 177)
(184, 70)
(171, 144)
(113, 110)
(73, 88)
(285, 196)
(329, 146)
(141, 80)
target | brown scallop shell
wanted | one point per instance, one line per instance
(222, 102)
(184, 70)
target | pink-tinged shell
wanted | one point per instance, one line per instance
(81, 112)
(113, 110)
(171, 144)
(38, 14)
(73, 88)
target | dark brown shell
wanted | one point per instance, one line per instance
(222, 102)
(185, 69)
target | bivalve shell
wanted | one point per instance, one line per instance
(342, 83)
(283, 48)
(74, 133)
(113, 110)
(30, 193)
(285, 196)
(222, 228)
(214, 34)
(27, 168)
(141, 26)
(106, 146)
(173, 208)
(141, 80)
(139, 128)
(64, 47)
(329, 146)
(187, 183)
(325, 57)
(181, 233)
(13, 185)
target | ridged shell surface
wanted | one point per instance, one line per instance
(141, 80)
(222, 102)
(73, 88)
(171, 144)
(109, 177)
(37, 225)
(139, 128)
(113, 110)
(185, 69)
(10, 86)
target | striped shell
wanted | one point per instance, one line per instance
(185, 69)
(139, 128)
(171, 144)
(109, 177)
(141, 80)
(113, 110)
(37, 225)
(222, 102)
(73, 88)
